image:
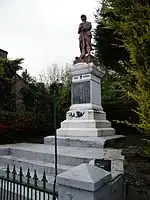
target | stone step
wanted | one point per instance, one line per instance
(3, 150)
(85, 124)
(66, 155)
(40, 166)
(84, 142)
(71, 156)
(86, 132)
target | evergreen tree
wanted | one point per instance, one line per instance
(129, 22)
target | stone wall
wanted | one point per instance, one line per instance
(137, 172)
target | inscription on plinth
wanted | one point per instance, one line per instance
(81, 92)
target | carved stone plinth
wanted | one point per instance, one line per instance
(86, 116)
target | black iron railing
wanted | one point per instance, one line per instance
(15, 186)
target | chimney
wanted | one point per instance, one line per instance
(3, 53)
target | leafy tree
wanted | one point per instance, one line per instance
(130, 23)
(26, 77)
(39, 97)
(37, 119)
(55, 73)
(7, 77)
(136, 35)
(10, 67)
(109, 47)
(112, 55)
(58, 78)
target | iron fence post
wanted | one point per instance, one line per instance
(55, 133)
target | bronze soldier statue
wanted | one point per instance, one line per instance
(85, 36)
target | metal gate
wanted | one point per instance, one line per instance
(15, 186)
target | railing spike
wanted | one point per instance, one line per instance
(14, 173)
(35, 178)
(28, 176)
(21, 184)
(44, 180)
(20, 174)
(8, 171)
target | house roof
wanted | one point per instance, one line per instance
(21, 78)
(1, 50)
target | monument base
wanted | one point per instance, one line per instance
(88, 132)
(84, 142)
(86, 116)
(86, 124)
(84, 121)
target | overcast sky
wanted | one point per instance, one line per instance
(42, 31)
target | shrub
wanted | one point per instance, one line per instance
(16, 127)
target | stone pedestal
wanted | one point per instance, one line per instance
(86, 116)
(87, 182)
